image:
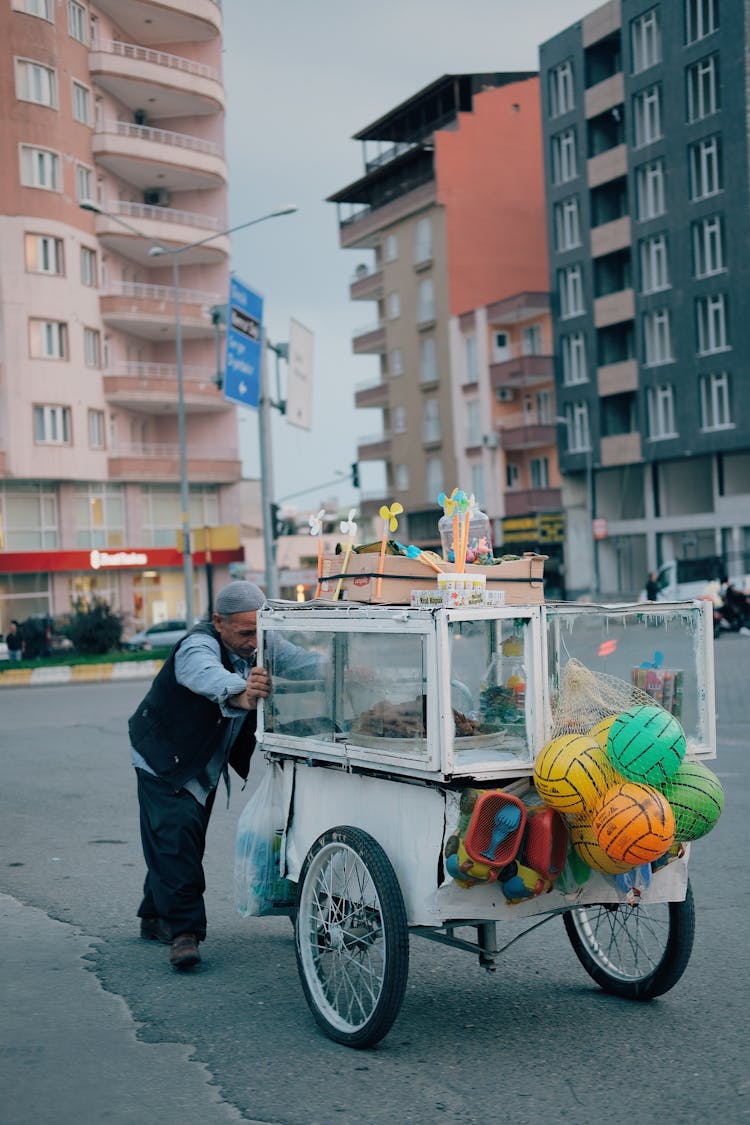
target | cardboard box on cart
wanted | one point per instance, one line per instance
(520, 579)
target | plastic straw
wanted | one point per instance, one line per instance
(345, 564)
(320, 566)
(381, 564)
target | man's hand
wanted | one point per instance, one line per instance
(258, 687)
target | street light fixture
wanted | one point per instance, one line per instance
(158, 249)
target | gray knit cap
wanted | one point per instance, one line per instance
(239, 597)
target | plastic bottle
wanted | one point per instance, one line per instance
(479, 546)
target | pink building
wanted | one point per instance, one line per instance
(119, 103)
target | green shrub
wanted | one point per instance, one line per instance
(94, 628)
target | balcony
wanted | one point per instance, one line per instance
(147, 157)
(148, 311)
(170, 85)
(621, 449)
(374, 447)
(370, 503)
(369, 340)
(363, 228)
(607, 94)
(367, 283)
(614, 308)
(610, 165)
(167, 21)
(526, 430)
(519, 307)
(522, 371)
(160, 462)
(373, 393)
(609, 237)
(521, 502)
(617, 378)
(151, 388)
(166, 225)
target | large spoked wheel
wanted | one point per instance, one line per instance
(352, 942)
(637, 952)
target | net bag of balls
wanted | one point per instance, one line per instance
(616, 768)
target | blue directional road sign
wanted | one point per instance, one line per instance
(243, 357)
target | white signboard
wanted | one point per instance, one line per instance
(299, 378)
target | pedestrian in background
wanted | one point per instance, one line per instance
(651, 588)
(198, 718)
(14, 641)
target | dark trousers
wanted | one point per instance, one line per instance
(173, 836)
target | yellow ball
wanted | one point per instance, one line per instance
(600, 732)
(572, 773)
(584, 843)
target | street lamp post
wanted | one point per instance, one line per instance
(157, 249)
(590, 503)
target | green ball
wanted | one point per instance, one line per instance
(647, 744)
(697, 799)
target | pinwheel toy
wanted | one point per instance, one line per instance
(348, 527)
(316, 528)
(390, 523)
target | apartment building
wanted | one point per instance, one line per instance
(451, 207)
(645, 121)
(120, 104)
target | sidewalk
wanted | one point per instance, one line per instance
(69, 1049)
(79, 673)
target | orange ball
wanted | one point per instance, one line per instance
(635, 823)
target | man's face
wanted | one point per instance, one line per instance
(238, 631)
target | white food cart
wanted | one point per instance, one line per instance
(406, 710)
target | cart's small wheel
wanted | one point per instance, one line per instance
(352, 941)
(637, 952)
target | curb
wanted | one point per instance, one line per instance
(80, 673)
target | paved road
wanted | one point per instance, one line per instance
(96, 1028)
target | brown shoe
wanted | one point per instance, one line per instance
(183, 953)
(156, 929)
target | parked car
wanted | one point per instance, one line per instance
(164, 634)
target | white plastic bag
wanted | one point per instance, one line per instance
(258, 886)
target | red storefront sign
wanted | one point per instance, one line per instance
(153, 558)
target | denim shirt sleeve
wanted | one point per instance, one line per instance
(198, 667)
(291, 660)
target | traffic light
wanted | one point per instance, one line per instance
(355, 473)
(275, 521)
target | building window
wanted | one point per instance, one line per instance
(36, 83)
(81, 104)
(715, 401)
(567, 225)
(577, 427)
(471, 374)
(423, 246)
(431, 421)
(703, 89)
(426, 301)
(42, 8)
(44, 254)
(96, 429)
(512, 475)
(473, 423)
(647, 116)
(92, 352)
(88, 266)
(500, 347)
(564, 164)
(711, 323)
(48, 339)
(701, 19)
(574, 359)
(570, 290)
(40, 168)
(654, 264)
(391, 248)
(660, 407)
(531, 340)
(544, 412)
(561, 92)
(397, 362)
(52, 425)
(428, 370)
(539, 472)
(477, 482)
(393, 305)
(705, 168)
(402, 478)
(99, 510)
(399, 420)
(708, 246)
(650, 190)
(645, 41)
(434, 483)
(84, 183)
(77, 21)
(657, 338)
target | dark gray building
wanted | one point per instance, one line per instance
(645, 125)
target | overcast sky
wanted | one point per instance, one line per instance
(301, 77)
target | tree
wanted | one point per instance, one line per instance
(94, 628)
